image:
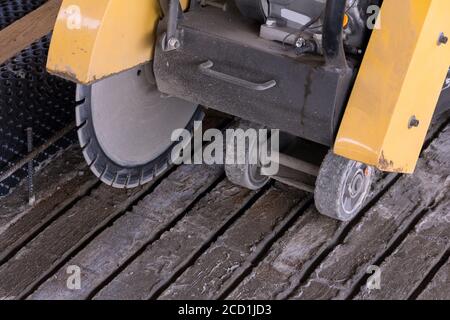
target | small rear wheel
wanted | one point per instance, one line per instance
(342, 187)
(248, 174)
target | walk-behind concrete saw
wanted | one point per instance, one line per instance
(352, 86)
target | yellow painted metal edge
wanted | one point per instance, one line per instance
(398, 86)
(95, 39)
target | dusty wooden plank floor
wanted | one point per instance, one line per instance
(193, 235)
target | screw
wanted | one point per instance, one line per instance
(443, 39)
(413, 122)
(173, 43)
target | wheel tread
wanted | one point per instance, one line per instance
(328, 187)
(104, 168)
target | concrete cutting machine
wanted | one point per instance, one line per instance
(352, 85)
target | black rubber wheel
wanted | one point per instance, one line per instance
(245, 175)
(124, 171)
(342, 187)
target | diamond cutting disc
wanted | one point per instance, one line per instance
(126, 127)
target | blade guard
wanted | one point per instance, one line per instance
(95, 39)
(398, 86)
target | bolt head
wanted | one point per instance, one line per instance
(443, 39)
(174, 43)
(413, 122)
(300, 42)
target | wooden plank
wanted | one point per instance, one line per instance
(64, 180)
(28, 29)
(113, 247)
(52, 246)
(382, 226)
(278, 271)
(423, 248)
(292, 257)
(236, 250)
(47, 182)
(177, 247)
(438, 288)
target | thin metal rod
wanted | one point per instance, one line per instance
(9, 172)
(294, 183)
(172, 19)
(294, 163)
(31, 197)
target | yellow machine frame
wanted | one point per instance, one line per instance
(95, 39)
(398, 86)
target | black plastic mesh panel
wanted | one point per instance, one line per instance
(30, 97)
(12, 10)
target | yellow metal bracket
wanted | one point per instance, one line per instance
(398, 86)
(95, 39)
